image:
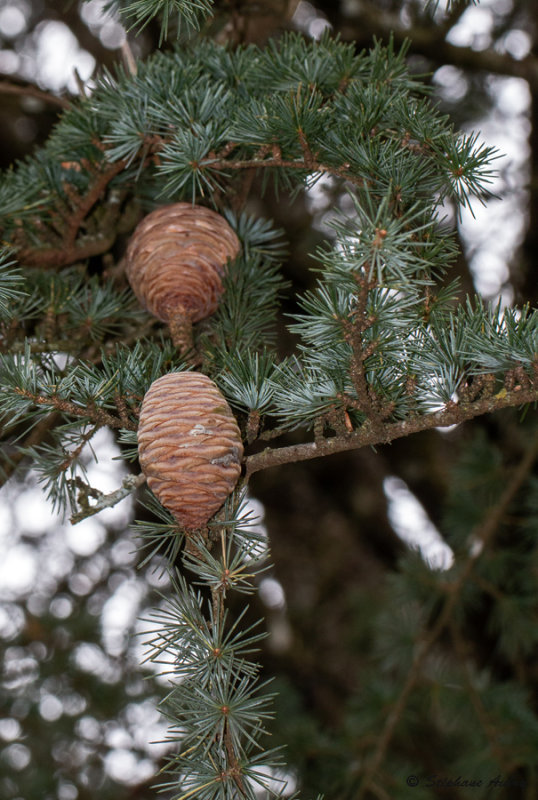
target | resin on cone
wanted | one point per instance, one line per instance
(189, 446)
(176, 259)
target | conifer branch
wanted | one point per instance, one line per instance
(234, 769)
(69, 251)
(353, 333)
(222, 558)
(90, 412)
(84, 204)
(376, 358)
(482, 535)
(308, 165)
(266, 158)
(453, 414)
(73, 455)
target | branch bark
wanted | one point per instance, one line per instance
(91, 412)
(390, 431)
(69, 251)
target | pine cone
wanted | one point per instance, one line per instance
(189, 446)
(176, 259)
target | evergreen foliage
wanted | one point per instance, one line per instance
(383, 351)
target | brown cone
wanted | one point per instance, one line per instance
(176, 259)
(189, 446)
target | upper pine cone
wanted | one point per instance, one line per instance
(189, 446)
(176, 258)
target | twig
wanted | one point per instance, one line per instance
(218, 595)
(68, 252)
(278, 161)
(91, 412)
(84, 439)
(86, 202)
(354, 333)
(234, 769)
(389, 432)
(128, 485)
(7, 87)
(52, 257)
(121, 405)
(128, 57)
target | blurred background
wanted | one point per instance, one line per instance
(78, 710)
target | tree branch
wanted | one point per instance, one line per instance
(354, 333)
(69, 251)
(29, 90)
(390, 431)
(92, 412)
(277, 161)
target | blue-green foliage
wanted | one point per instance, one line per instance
(362, 115)
(11, 282)
(379, 342)
(188, 123)
(185, 15)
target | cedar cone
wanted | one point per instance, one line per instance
(189, 446)
(176, 259)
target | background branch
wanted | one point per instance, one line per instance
(29, 90)
(430, 41)
(483, 534)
